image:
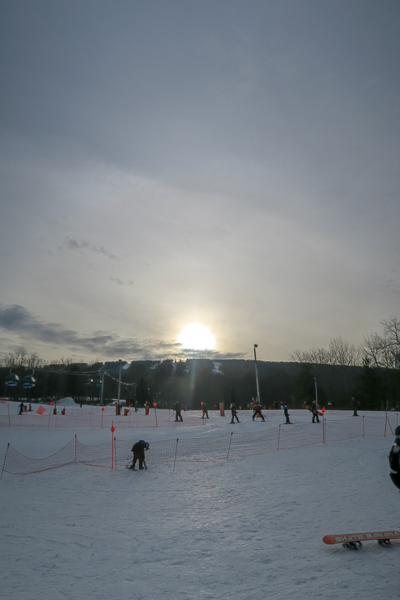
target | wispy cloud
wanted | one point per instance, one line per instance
(72, 244)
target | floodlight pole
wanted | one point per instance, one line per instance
(119, 380)
(255, 365)
(316, 392)
(102, 388)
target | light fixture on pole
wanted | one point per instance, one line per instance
(255, 364)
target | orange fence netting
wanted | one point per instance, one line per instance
(234, 445)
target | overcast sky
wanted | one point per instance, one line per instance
(233, 163)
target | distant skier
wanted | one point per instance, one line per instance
(286, 412)
(21, 408)
(314, 411)
(257, 411)
(178, 416)
(234, 414)
(205, 411)
(138, 454)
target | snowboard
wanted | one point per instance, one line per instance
(320, 413)
(354, 540)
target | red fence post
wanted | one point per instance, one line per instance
(112, 444)
(279, 434)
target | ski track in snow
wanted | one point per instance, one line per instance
(248, 528)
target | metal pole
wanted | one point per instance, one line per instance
(255, 364)
(316, 392)
(119, 380)
(102, 389)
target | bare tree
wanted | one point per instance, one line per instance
(343, 353)
(20, 358)
(384, 350)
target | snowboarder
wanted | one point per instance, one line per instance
(286, 412)
(138, 454)
(178, 416)
(234, 414)
(314, 411)
(257, 411)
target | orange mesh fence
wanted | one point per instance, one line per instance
(18, 464)
(72, 419)
(250, 444)
(94, 456)
(205, 449)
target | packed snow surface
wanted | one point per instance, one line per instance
(242, 529)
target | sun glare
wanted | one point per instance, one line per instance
(196, 337)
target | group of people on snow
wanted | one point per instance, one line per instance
(257, 412)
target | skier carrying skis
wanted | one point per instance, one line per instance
(138, 454)
(257, 411)
(234, 414)
(286, 412)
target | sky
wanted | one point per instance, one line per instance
(233, 164)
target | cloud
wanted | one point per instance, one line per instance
(19, 321)
(84, 245)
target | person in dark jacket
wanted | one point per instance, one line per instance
(286, 412)
(257, 411)
(394, 459)
(205, 411)
(21, 408)
(138, 454)
(314, 411)
(178, 416)
(234, 414)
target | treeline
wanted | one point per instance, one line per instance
(341, 376)
(192, 382)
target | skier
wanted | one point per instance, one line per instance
(314, 411)
(178, 416)
(257, 411)
(286, 411)
(21, 408)
(394, 459)
(138, 454)
(205, 412)
(234, 414)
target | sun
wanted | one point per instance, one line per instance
(196, 337)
